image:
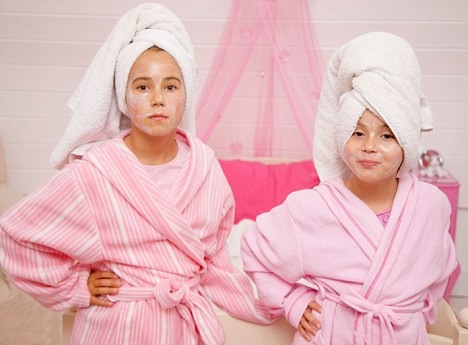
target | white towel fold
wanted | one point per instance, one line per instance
(98, 102)
(378, 71)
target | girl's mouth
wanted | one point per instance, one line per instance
(156, 116)
(368, 163)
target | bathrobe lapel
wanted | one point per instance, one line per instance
(165, 212)
(193, 174)
(399, 225)
(355, 216)
(379, 244)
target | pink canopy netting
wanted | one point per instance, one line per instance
(260, 95)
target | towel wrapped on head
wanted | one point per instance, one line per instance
(378, 71)
(99, 101)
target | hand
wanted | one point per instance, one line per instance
(103, 283)
(309, 324)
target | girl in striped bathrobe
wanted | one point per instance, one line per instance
(146, 200)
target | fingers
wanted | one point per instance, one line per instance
(100, 302)
(96, 291)
(106, 283)
(304, 333)
(103, 283)
(104, 274)
(309, 324)
(315, 306)
(311, 319)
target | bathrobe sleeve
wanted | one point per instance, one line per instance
(441, 210)
(438, 288)
(228, 288)
(42, 239)
(272, 256)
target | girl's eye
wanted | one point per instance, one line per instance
(388, 136)
(171, 87)
(358, 134)
(142, 88)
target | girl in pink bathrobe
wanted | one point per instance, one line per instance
(371, 242)
(146, 199)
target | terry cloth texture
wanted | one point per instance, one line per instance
(99, 101)
(378, 71)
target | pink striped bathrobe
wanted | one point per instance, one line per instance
(104, 212)
(377, 285)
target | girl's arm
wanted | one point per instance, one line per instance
(228, 288)
(276, 288)
(436, 291)
(273, 258)
(47, 240)
(447, 261)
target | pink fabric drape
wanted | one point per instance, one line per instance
(262, 90)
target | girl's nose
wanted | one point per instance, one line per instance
(157, 98)
(369, 144)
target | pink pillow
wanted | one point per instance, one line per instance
(259, 187)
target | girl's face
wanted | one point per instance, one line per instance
(155, 94)
(372, 152)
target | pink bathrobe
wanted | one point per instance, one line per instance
(376, 285)
(105, 212)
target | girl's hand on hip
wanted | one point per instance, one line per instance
(103, 283)
(309, 324)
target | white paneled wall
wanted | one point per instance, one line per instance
(45, 47)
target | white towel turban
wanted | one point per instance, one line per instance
(99, 101)
(378, 71)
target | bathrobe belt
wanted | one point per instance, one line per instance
(387, 314)
(195, 309)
